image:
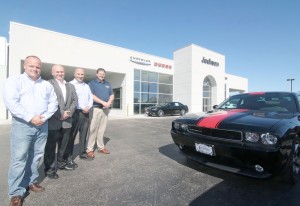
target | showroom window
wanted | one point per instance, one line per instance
(206, 95)
(151, 88)
(117, 103)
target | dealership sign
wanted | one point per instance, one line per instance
(167, 66)
(141, 61)
(210, 62)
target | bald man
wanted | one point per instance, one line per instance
(60, 123)
(81, 120)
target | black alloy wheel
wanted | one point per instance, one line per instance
(182, 112)
(293, 167)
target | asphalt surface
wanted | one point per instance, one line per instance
(145, 168)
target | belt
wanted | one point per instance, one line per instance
(98, 106)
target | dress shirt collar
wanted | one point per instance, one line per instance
(78, 82)
(26, 75)
(100, 81)
(64, 82)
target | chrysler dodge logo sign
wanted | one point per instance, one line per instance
(140, 61)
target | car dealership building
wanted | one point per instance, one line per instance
(195, 76)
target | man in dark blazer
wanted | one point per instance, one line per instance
(60, 124)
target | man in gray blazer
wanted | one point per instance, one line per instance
(60, 124)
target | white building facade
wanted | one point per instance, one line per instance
(195, 76)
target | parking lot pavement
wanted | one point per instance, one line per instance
(146, 168)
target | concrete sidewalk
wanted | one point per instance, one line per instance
(5, 122)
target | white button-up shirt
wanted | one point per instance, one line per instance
(63, 88)
(83, 91)
(25, 98)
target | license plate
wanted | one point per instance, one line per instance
(205, 149)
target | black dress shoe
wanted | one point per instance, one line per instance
(84, 156)
(52, 175)
(67, 167)
(72, 163)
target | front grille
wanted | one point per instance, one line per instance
(219, 133)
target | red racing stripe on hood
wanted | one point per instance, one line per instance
(214, 119)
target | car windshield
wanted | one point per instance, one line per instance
(261, 101)
(162, 104)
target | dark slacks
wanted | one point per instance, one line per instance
(60, 137)
(81, 123)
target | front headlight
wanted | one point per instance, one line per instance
(176, 125)
(265, 138)
(268, 139)
(251, 137)
(180, 126)
(184, 127)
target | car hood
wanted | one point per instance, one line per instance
(152, 107)
(237, 119)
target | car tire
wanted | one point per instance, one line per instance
(182, 112)
(293, 164)
(160, 113)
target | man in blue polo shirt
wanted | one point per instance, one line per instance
(103, 97)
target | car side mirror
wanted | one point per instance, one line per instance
(215, 107)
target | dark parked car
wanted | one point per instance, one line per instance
(168, 108)
(252, 134)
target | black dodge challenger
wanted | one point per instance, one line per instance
(167, 108)
(252, 134)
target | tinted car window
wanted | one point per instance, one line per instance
(269, 102)
(232, 103)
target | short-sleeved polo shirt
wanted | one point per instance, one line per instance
(102, 90)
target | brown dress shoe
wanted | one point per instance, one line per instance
(104, 151)
(91, 154)
(36, 188)
(16, 201)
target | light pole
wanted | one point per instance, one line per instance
(291, 83)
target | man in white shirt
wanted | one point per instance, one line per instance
(81, 120)
(31, 102)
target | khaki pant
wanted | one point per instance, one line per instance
(98, 118)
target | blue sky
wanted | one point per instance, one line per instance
(259, 38)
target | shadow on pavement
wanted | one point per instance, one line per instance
(235, 189)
